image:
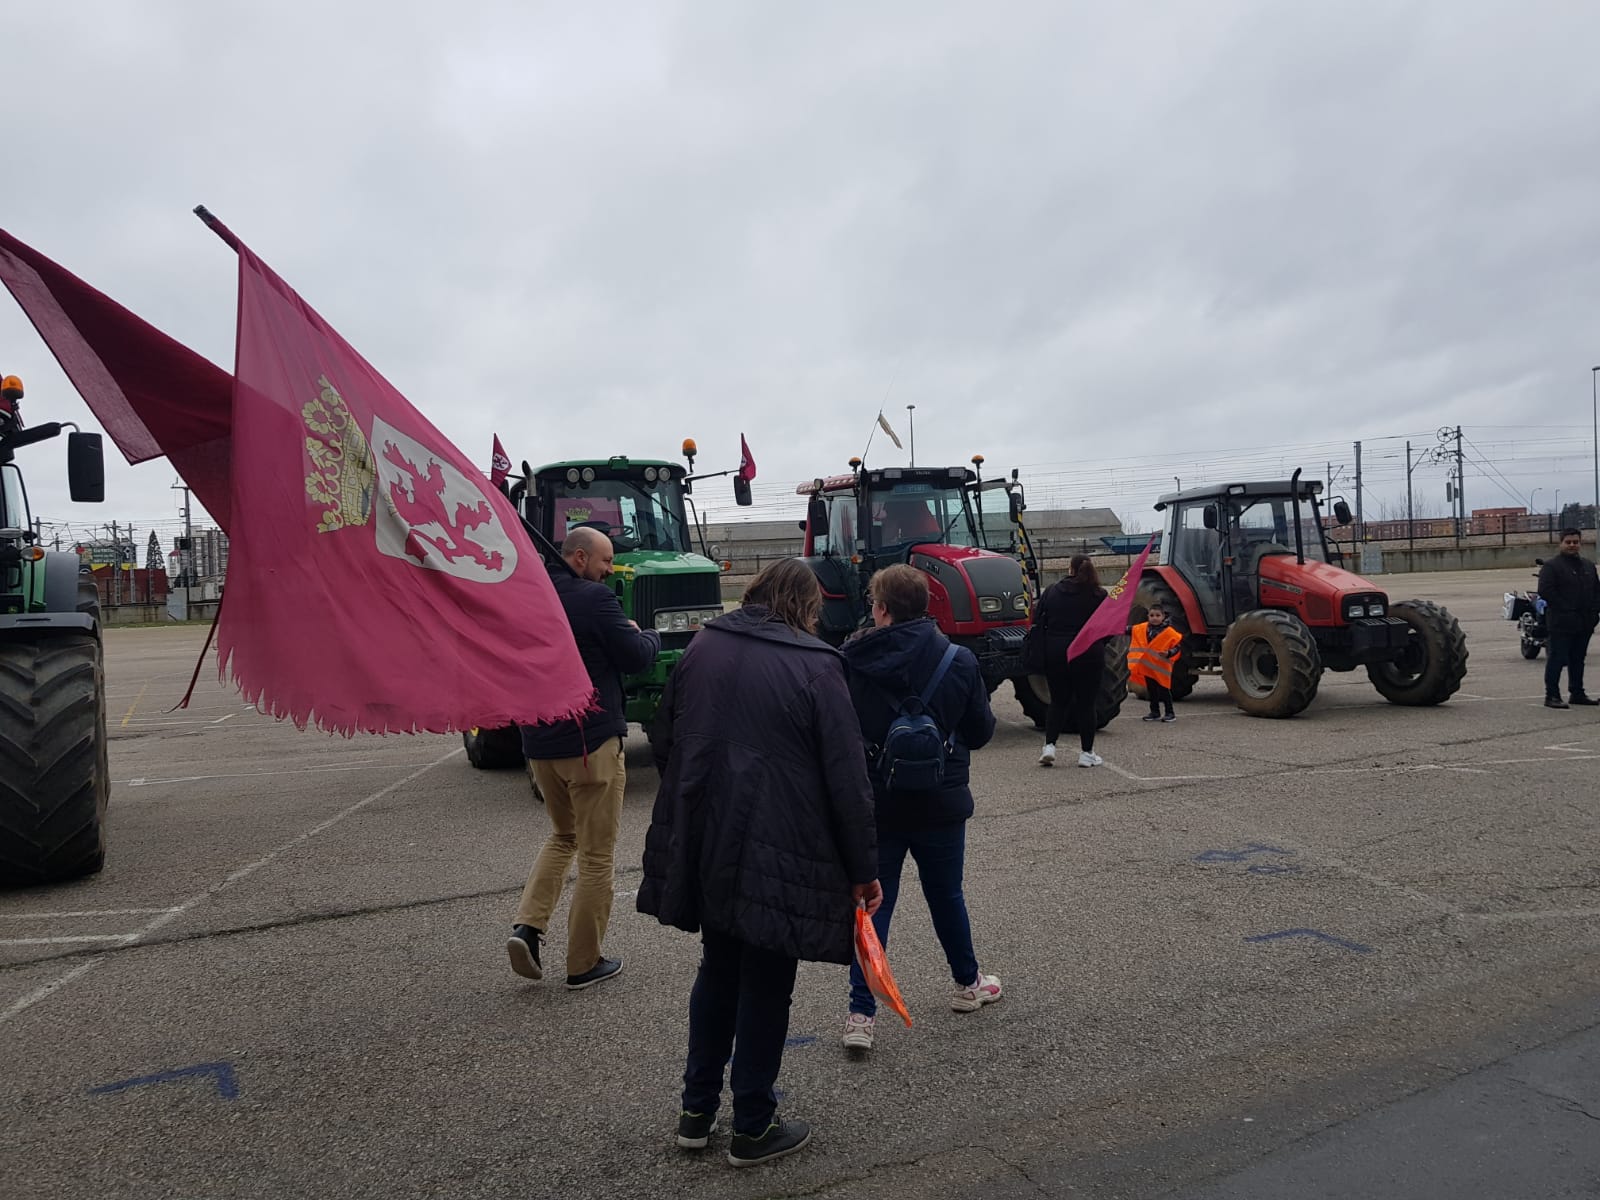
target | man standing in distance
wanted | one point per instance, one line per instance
(1571, 593)
(579, 769)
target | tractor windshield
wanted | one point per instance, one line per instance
(1266, 526)
(13, 510)
(637, 515)
(906, 513)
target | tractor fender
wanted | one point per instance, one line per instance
(1185, 594)
(60, 582)
(25, 625)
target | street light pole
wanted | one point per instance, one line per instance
(1594, 409)
(911, 418)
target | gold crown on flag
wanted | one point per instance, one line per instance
(342, 470)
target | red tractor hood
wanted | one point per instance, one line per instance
(1315, 589)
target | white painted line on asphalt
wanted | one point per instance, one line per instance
(1129, 775)
(1395, 767)
(143, 781)
(89, 912)
(46, 990)
(228, 717)
(61, 941)
(167, 916)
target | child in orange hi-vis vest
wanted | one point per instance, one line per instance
(1151, 653)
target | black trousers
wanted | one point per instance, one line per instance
(1159, 695)
(739, 1008)
(1073, 688)
(1567, 651)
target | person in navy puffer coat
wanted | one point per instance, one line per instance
(889, 663)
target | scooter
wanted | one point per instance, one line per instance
(1527, 610)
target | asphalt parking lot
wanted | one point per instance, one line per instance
(1234, 939)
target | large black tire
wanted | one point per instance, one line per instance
(1270, 663)
(1153, 588)
(1033, 691)
(54, 781)
(494, 749)
(1435, 661)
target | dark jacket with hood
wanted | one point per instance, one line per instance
(611, 648)
(763, 821)
(888, 665)
(1064, 609)
(1571, 593)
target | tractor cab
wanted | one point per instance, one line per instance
(1222, 541)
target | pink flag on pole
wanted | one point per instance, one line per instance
(1111, 618)
(747, 463)
(375, 582)
(499, 464)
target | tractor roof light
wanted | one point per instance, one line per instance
(11, 388)
(649, 474)
(588, 475)
(689, 448)
(977, 461)
(572, 475)
(855, 463)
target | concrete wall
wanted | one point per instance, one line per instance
(1400, 561)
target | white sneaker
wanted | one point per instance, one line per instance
(971, 999)
(858, 1032)
(1047, 756)
(1085, 759)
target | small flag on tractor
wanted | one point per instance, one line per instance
(499, 464)
(883, 424)
(747, 464)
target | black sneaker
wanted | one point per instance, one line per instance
(782, 1137)
(606, 968)
(695, 1129)
(1555, 702)
(1169, 718)
(1151, 717)
(1585, 701)
(523, 947)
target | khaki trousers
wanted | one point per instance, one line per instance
(584, 800)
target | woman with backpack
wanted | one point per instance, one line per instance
(923, 708)
(1064, 609)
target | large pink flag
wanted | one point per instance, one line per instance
(1111, 618)
(375, 581)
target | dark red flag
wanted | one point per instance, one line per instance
(747, 465)
(499, 464)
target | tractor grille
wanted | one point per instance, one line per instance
(653, 592)
(1001, 578)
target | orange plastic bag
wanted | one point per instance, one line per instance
(875, 965)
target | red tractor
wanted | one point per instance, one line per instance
(982, 575)
(1248, 577)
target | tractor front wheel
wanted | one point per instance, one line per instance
(1270, 663)
(1033, 691)
(493, 749)
(1434, 662)
(54, 781)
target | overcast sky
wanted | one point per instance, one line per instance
(1068, 233)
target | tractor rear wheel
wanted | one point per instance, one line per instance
(1435, 659)
(1270, 663)
(54, 781)
(494, 749)
(1153, 589)
(1033, 691)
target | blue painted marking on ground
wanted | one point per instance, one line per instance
(1273, 869)
(1311, 933)
(1210, 856)
(221, 1072)
(804, 1040)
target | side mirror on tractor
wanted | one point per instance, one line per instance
(1016, 507)
(1210, 516)
(741, 492)
(86, 468)
(1341, 512)
(817, 515)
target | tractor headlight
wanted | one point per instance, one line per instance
(1020, 603)
(685, 620)
(1355, 611)
(988, 604)
(1375, 610)
(649, 474)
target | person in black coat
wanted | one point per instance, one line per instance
(579, 770)
(1064, 609)
(761, 841)
(889, 663)
(1570, 590)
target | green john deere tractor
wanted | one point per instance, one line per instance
(54, 781)
(644, 506)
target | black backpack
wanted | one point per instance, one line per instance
(912, 756)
